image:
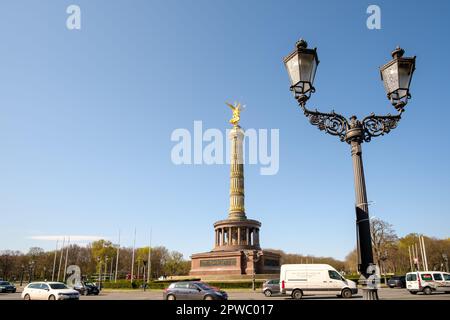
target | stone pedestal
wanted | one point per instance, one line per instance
(235, 262)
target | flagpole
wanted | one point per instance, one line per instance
(60, 259)
(65, 263)
(132, 257)
(117, 258)
(410, 259)
(417, 256)
(425, 254)
(54, 261)
(149, 268)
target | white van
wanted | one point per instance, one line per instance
(302, 279)
(428, 282)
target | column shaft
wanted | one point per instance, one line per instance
(237, 208)
(364, 245)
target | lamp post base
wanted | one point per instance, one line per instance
(369, 285)
(370, 294)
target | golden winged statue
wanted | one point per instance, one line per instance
(237, 107)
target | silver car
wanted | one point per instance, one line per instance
(271, 287)
(193, 290)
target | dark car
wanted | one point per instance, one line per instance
(87, 288)
(193, 290)
(271, 287)
(397, 282)
(6, 286)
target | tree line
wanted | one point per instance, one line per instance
(390, 252)
(98, 257)
(392, 255)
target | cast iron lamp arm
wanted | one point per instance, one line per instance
(375, 126)
(332, 123)
(337, 125)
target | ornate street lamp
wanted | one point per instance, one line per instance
(21, 274)
(255, 256)
(99, 262)
(144, 284)
(301, 65)
(445, 257)
(383, 258)
(396, 76)
(31, 270)
(106, 267)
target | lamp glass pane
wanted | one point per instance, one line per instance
(390, 78)
(306, 66)
(306, 87)
(404, 74)
(313, 71)
(293, 69)
(401, 93)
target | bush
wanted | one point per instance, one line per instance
(120, 284)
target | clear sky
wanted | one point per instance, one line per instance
(86, 118)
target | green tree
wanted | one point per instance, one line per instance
(351, 262)
(101, 250)
(383, 238)
(176, 265)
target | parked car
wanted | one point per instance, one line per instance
(87, 288)
(6, 286)
(271, 287)
(397, 282)
(299, 279)
(193, 290)
(428, 282)
(49, 291)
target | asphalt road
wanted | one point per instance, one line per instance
(384, 294)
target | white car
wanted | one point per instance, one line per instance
(49, 291)
(301, 279)
(428, 282)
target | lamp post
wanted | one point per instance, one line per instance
(144, 284)
(106, 267)
(383, 258)
(31, 270)
(445, 257)
(301, 66)
(256, 255)
(21, 274)
(99, 261)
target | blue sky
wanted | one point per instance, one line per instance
(86, 118)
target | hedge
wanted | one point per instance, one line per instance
(126, 284)
(137, 284)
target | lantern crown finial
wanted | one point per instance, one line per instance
(397, 53)
(301, 44)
